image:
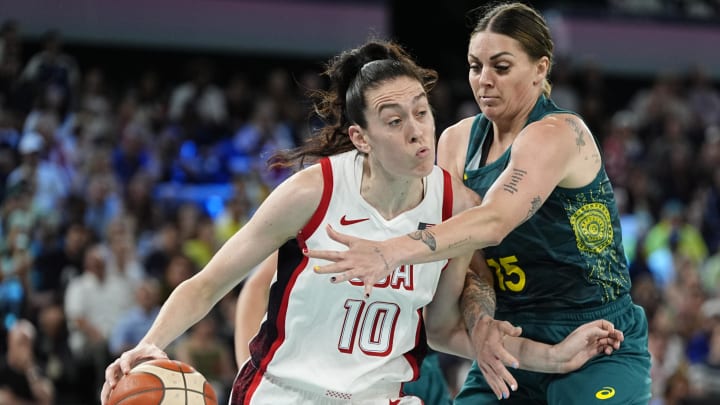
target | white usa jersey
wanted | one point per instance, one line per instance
(325, 337)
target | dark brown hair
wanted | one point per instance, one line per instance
(524, 24)
(351, 75)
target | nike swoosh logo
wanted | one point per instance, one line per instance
(395, 402)
(345, 221)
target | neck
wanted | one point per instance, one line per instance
(390, 196)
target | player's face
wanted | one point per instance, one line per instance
(401, 128)
(501, 75)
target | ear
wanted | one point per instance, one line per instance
(358, 138)
(542, 69)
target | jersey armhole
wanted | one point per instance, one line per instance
(322, 208)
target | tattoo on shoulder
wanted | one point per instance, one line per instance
(580, 140)
(515, 178)
(477, 300)
(535, 205)
(426, 237)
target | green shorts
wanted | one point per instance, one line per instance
(621, 378)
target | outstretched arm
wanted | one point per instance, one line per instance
(278, 219)
(584, 343)
(539, 163)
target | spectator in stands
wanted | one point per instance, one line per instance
(705, 375)
(133, 324)
(48, 182)
(94, 301)
(59, 262)
(198, 105)
(265, 133)
(165, 244)
(132, 155)
(234, 215)
(103, 204)
(16, 261)
(203, 244)
(21, 379)
(53, 73)
(202, 347)
(54, 353)
(673, 238)
(121, 247)
(702, 97)
(11, 59)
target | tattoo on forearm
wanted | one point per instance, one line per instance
(382, 256)
(477, 300)
(535, 205)
(580, 140)
(515, 178)
(426, 237)
(459, 243)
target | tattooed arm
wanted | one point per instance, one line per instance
(555, 151)
(477, 304)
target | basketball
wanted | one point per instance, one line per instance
(163, 382)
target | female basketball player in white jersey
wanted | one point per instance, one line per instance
(370, 171)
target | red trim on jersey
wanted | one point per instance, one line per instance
(280, 329)
(322, 208)
(411, 359)
(447, 209)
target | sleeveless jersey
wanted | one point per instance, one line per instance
(569, 254)
(319, 335)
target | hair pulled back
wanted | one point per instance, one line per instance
(524, 24)
(351, 75)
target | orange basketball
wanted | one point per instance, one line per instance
(163, 382)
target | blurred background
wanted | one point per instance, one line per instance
(133, 139)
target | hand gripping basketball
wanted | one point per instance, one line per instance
(162, 381)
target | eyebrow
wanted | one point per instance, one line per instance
(396, 105)
(497, 55)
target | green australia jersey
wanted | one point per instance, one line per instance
(569, 254)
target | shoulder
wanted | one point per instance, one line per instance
(458, 133)
(452, 146)
(563, 122)
(556, 130)
(305, 185)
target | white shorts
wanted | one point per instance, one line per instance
(273, 392)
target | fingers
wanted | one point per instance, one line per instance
(496, 383)
(105, 393)
(368, 289)
(510, 329)
(328, 268)
(498, 378)
(112, 376)
(505, 329)
(337, 236)
(113, 373)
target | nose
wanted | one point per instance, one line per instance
(484, 78)
(419, 130)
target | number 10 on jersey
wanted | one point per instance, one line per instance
(369, 326)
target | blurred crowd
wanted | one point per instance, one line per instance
(115, 191)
